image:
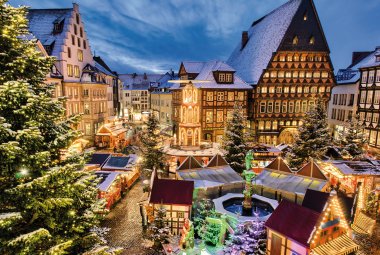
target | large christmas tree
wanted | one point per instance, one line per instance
(151, 146)
(47, 206)
(313, 137)
(234, 140)
(352, 138)
(249, 238)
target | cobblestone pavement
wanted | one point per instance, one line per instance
(124, 222)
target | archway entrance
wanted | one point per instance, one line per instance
(287, 135)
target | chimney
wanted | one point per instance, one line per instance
(244, 39)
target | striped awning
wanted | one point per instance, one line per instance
(342, 245)
(363, 224)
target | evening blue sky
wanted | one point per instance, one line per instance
(156, 35)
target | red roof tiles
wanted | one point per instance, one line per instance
(293, 221)
(169, 191)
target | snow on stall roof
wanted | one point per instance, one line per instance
(106, 179)
(41, 25)
(265, 36)
(206, 73)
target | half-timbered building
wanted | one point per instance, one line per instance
(204, 101)
(369, 97)
(285, 56)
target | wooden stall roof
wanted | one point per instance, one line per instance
(311, 169)
(279, 165)
(293, 221)
(217, 160)
(189, 163)
(342, 245)
(363, 224)
(169, 191)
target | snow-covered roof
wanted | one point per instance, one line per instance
(352, 74)
(106, 179)
(211, 176)
(193, 66)
(265, 36)
(351, 167)
(139, 81)
(206, 74)
(102, 66)
(41, 25)
(289, 182)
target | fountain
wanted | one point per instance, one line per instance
(246, 205)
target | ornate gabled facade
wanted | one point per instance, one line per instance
(87, 84)
(285, 56)
(369, 97)
(204, 101)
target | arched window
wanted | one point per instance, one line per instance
(312, 40)
(295, 40)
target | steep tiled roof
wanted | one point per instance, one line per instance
(175, 192)
(41, 25)
(103, 67)
(265, 36)
(294, 221)
(315, 200)
(206, 73)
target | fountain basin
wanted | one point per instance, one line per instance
(231, 204)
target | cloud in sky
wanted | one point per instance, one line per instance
(156, 35)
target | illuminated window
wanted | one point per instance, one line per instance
(219, 116)
(87, 129)
(274, 125)
(241, 96)
(209, 116)
(262, 107)
(220, 96)
(69, 70)
(290, 58)
(298, 105)
(76, 71)
(80, 55)
(295, 40)
(228, 77)
(277, 107)
(261, 125)
(180, 215)
(286, 89)
(264, 90)
(306, 90)
(231, 96)
(278, 90)
(299, 90)
(222, 77)
(291, 107)
(284, 107)
(268, 125)
(270, 107)
(312, 40)
(210, 96)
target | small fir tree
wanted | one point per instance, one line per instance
(313, 137)
(234, 140)
(151, 146)
(249, 238)
(352, 138)
(203, 209)
(159, 231)
(47, 206)
(211, 234)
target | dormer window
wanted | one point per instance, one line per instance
(58, 27)
(295, 40)
(225, 78)
(312, 40)
(378, 58)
